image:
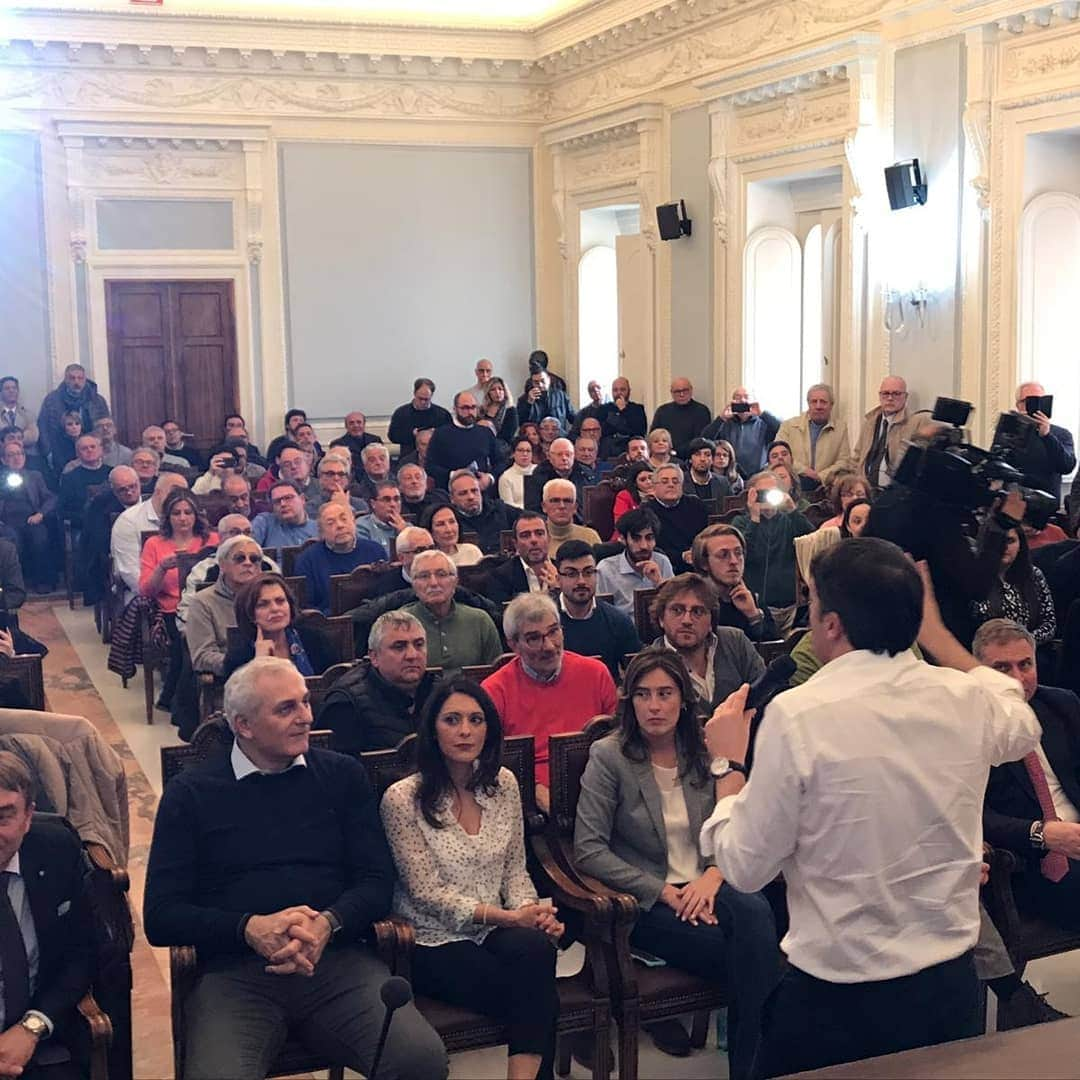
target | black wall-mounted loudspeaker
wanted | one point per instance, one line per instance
(672, 220)
(905, 184)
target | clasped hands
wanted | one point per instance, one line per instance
(541, 917)
(291, 940)
(695, 901)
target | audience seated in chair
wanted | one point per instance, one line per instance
(559, 504)
(645, 794)
(719, 554)
(88, 471)
(287, 524)
(444, 528)
(340, 552)
(1033, 805)
(356, 437)
(531, 569)
(417, 496)
(126, 540)
(487, 517)
(718, 660)
(375, 704)
(1020, 592)
(26, 504)
(545, 689)
(639, 566)
(384, 522)
(591, 627)
(334, 475)
(700, 478)
(483, 939)
(266, 616)
(272, 861)
(681, 516)
(46, 934)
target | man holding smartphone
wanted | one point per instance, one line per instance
(1050, 454)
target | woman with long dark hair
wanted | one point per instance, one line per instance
(645, 793)
(1020, 592)
(483, 939)
(725, 466)
(638, 489)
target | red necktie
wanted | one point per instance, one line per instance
(1055, 864)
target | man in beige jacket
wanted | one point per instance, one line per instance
(820, 446)
(885, 432)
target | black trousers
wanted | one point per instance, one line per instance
(810, 1023)
(1058, 901)
(510, 976)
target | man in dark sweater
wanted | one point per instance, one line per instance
(681, 516)
(621, 418)
(340, 552)
(356, 438)
(1050, 452)
(462, 445)
(416, 415)
(684, 417)
(75, 484)
(485, 517)
(272, 862)
(375, 704)
(591, 627)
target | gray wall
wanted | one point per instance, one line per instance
(403, 261)
(165, 224)
(692, 256)
(24, 303)
(929, 106)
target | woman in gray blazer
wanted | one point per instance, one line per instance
(645, 794)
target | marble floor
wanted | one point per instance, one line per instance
(78, 682)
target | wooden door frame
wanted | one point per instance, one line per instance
(232, 271)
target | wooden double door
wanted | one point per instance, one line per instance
(172, 356)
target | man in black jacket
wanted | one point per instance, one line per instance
(416, 415)
(375, 705)
(271, 860)
(46, 933)
(1049, 453)
(1033, 805)
(530, 570)
(485, 517)
(622, 419)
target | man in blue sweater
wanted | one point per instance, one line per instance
(271, 861)
(462, 445)
(340, 552)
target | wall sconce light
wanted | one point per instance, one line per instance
(917, 299)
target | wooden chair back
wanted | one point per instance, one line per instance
(470, 538)
(479, 672)
(599, 508)
(338, 628)
(475, 577)
(567, 757)
(321, 685)
(507, 543)
(186, 560)
(145, 535)
(726, 518)
(734, 502)
(26, 669)
(298, 586)
(770, 650)
(351, 590)
(289, 555)
(818, 513)
(647, 628)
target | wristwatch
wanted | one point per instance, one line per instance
(1035, 835)
(35, 1025)
(333, 920)
(720, 767)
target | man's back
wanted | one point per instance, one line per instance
(870, 777)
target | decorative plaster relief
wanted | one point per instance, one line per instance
(791, 118)
(976, 122)
(613, 162)
(162, 168)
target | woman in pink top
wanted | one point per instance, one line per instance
(845, 491)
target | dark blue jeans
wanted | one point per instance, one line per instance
(740, 951)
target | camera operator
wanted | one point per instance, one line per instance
(938, 530)
(224, 463)
(1045, 459)
(748, 428)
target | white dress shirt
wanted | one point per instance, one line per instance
(867, 794)
(1063, 807)
(244, 767)
(126, 543)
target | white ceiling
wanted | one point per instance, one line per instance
(493, 14)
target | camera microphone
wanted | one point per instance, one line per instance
(774, 679)
(395, 992)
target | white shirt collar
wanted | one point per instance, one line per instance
(244, 767)
(578, 618)
(13, 866)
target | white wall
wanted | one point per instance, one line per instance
(403, 261)
(769, 202)
(1051, 163)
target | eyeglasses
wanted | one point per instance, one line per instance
(338, 474)
(729, 554)
(284, 499)
(253, 559)
(556, 501)
(537, 638)
(572, 575)
(697, 611)
(438, 575)
(892, 393)
(389, 499)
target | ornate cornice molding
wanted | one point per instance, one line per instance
(610, 126)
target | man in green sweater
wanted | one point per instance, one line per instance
(770, 526)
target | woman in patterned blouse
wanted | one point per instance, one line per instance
(1020, 593)
(483, 939)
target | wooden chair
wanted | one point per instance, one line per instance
(507, 543)
(599, 508)
(289, 555)
(470, 538)
(734, 502)
(726, 518)
(211, 740)
(1027, 937)
(26, 669)
(348, 591)
(475, 577)
(321, 685)
(818, 513)
(770, 650)
(642, 995)
(338, 628)
(298, 586)
(647, 628)
(186, 561)
(479, 672)
(585, 998)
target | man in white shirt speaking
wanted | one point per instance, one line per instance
(867, 796)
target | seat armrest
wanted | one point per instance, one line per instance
(102, 860)
(1000, 902)
(101, 1033)
(182, 975)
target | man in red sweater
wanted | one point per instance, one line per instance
(545, 690)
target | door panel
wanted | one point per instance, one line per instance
(634, 272)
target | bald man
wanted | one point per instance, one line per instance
(884, 432)
(126, 546)
(684, 417)
(1049, 454)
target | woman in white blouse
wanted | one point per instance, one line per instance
(445, 529)
(645, 794)
(512, 481)
(455, 828)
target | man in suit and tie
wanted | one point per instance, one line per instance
(1033, 805)
(46, 933)
(530, 570)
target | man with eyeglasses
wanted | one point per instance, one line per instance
(463, 445)
(681, 516)
(286, 524)
(417, 415)
(334, 484)
(684, 417)
(385, 521)
(559, 503)
(212, 611)
(545, 690)
(488, 518)
(457, 635)
(124, 490)
(591, 627)
(340, 552)
(719, 660)
(719, 554)
(411, 541)
(885, 432)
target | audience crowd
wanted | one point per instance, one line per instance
(511, 565)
